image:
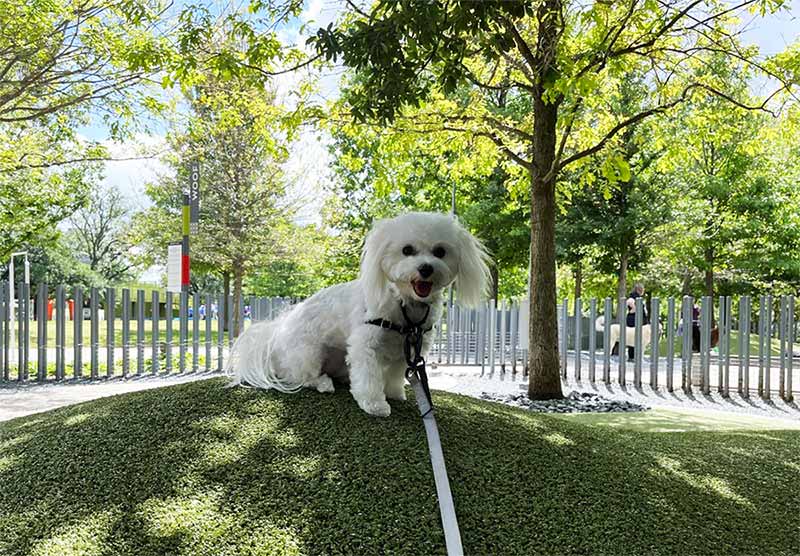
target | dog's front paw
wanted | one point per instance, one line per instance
(378, 408)
(325, 384)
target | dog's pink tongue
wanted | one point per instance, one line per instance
(422, 289)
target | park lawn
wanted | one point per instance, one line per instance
(682, 420)
(200, 469)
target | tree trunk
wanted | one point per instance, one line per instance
(622, 280)
(545, 380)
(238, 275)
(495, 280)
(226, 293)
(577, 272)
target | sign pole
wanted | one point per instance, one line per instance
(185, 246)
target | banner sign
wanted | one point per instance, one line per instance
(194, 195)
(174, 267)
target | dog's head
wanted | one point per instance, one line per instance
(418, 254)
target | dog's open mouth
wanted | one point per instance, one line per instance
(422, 288)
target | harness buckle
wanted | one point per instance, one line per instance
(386, 324)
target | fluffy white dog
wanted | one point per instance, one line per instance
(630, 333)
(406, 263)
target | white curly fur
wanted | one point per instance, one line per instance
(328, 336)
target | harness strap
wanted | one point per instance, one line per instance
(389, 325)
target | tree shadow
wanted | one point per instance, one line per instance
(200, 468)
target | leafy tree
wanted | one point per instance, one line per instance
(33, 202)
(380, 173)
(241, 137)
(553, 60)
(98, 233)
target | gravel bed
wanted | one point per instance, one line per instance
(575, 402)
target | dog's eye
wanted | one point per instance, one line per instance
(439, 252)
(408, 250)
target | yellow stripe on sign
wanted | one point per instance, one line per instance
(186, 220)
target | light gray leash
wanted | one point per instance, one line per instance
(452, 536)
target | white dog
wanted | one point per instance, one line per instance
(406, 263)
(630, 333)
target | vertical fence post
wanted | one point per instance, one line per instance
(230, 307)
(439, 338)
(655, 333)
(196, 331)
(183, 326)
(5, 305)
(637, 342)
(721, 346)
(789, 348)
(140, 332)
(670, 343)
(126, 331)
(449, 352)
(503, 331)
(767, 347)
(110, 330)
(782, 321)
(94, 333)
(607, 316)
(707, 307)
(592, 338)
(482, 316)
(687, 319)
(26, 288)
(61, 331)
(41, 337)
(156, 340)
(727, 349)
(208, 329)
(221, 329)
(563, 331)
(3, 326)
(168, 316)
(744, 346)
(77, 325)
(622, 310)
(492, 333)
(578, 318)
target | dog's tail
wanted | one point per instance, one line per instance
(600, 323)
(250, 362)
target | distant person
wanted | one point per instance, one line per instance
(630, 319)
(202, 312)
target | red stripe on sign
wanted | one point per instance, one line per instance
(184, 270)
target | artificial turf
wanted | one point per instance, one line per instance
(200, 469)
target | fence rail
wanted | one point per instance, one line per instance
(700, 344)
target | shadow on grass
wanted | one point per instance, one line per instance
(201, 469)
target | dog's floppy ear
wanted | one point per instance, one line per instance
(474, 277)
(371, 275)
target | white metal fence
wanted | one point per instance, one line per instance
(747, 346)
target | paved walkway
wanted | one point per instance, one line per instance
(17, 400)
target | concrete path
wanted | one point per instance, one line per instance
(17, 400)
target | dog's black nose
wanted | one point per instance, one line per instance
(425, 270)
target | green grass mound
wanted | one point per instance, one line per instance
(199, 469)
